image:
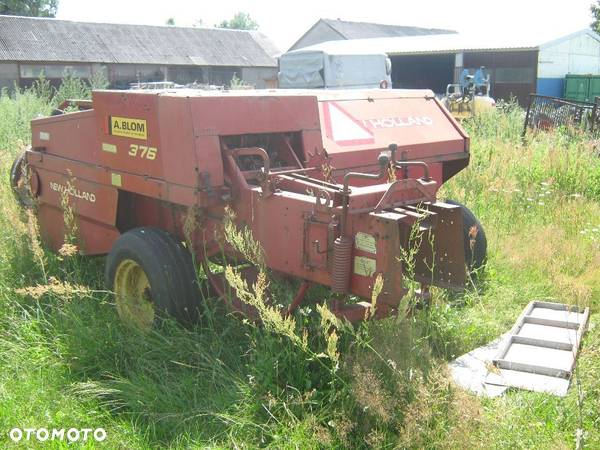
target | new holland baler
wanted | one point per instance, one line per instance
(332, 185)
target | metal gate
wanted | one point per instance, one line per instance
(544, 113)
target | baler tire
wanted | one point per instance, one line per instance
(168, 268)
(20, 192)
(477, 257)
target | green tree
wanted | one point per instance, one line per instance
(241, 21)
(595, 8)
(31, 8)
(170, 21)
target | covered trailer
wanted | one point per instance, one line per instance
(319, 69)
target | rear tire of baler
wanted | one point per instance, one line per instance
(21, 193)
(152, 275)
(477, 257)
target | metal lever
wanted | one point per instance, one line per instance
(383, 161)
(399, 164)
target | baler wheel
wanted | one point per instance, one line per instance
(475, 241)
(152, 274)
(134, 298)
(18, 184)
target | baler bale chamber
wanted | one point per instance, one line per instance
(330, 184)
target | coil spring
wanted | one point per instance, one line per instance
(342, 259)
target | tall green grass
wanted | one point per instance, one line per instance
(311, 382)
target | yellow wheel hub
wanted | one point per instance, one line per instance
(132, 289)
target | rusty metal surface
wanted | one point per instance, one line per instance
(396, 193)
(440, 260)
(385, 230)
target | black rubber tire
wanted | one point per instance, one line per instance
(21, 193)
(169, 267)
(477, 257)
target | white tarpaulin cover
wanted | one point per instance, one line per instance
(316, 69)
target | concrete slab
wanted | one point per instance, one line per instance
(540, 356)
(548, 333)
(555, 314)
(470, 370)
(528, 381)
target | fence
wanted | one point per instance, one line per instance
(544, 112)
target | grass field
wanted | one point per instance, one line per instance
(66, 361)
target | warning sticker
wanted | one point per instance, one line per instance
(343, 128)
(127, 127)
(115, 179)
(364, 266)
(110, 148)
(365, 242)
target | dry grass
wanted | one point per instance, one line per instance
(440, 415)
(369, 392)
(61, 289)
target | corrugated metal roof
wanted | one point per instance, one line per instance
(440, 43)
(51, 40)
(364, 30)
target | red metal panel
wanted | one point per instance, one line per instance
(90, 200)
(232, 115)
(383, 230)
(401, 192)
(207, 149)
(137, 159)
(73, 136)
(140, 184)
(94, 238)
(357, 130)
(177, 134)
(277, 223)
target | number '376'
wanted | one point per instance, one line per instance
(142, 151)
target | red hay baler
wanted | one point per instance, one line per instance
(332, 185)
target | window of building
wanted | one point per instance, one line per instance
(54, 70)
(222, 76)
(513, 75)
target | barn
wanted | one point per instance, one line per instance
(132, 53)
(333, 30)
(517, 67)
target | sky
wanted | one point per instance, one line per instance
(284, 22)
